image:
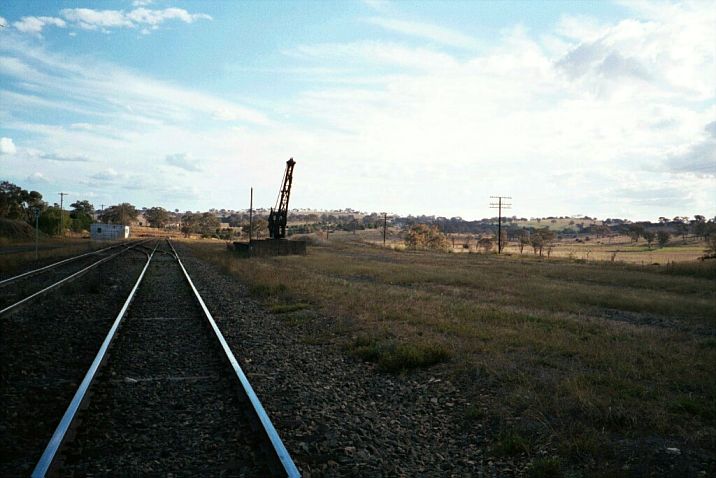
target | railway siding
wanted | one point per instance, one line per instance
(45, 349)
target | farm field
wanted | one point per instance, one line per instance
(616, 248)
(594, 366)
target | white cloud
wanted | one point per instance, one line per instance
(89, 87)
(427, 31)
(90, 19)
(183, 161)
(156, 17)
(34, 25)
(37, 178)
(3, 22)
(7, 146)
(605, 120)
(671, 49)
(109, 174)
(65, 158)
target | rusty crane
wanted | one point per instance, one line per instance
(279, 213)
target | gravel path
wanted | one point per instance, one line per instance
(338, 416)
(45, 350)
(165, 402)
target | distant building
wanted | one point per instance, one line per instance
(108, 232)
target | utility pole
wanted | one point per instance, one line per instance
(499, 206)
(385, 226)
(36, 210)
(62, 213)
(251, 214)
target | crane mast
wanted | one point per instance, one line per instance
(278, 216)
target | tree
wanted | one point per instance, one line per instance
(49, 220)
(422, 236)
(503, 240)
(157, 216)
(649, 236)
(524, 240)
(81, 215)
(486, 244)
(123, 213)
(541, 238)
(710, 247)
(662, 237)
(537, 243)
(635, 231)
(258, 228)
(698, 226)
(205, 224)
(17, 203)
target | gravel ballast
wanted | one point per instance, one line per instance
(165, 402)
(339, 416)
(45, 350)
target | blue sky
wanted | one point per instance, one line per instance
(598, 108)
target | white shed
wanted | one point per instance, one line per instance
(108, 232)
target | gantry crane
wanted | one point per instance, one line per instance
(279, 213)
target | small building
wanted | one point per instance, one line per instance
(108, 232)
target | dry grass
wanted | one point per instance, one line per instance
(11, 261)
(582, 352)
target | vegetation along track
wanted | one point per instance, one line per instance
(19, 290)
(166, 400)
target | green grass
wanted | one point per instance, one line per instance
(398, 357)
(287, 308)
(580, 352)
(510, 443)
(545, 468)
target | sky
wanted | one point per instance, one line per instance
(606, 109)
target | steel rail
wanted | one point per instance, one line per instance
(55, 264)
(283, 455)
(58, 437)
(62, 281)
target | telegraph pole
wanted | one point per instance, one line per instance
(62, 213)
(385, 226)
(251, 214)
(36, 211)
(499, 206)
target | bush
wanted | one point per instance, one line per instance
(510, 443)
(545, 468)
(422, 236)
(392, 357)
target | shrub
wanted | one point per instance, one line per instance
(392, 357)
(422, 236)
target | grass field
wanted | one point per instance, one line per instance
(583, 357)
(617, 248)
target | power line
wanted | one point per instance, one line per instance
(499, 206)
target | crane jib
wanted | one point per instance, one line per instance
(278, 216)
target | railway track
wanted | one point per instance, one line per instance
(21, 289)
(45, 348)
(165, 394)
